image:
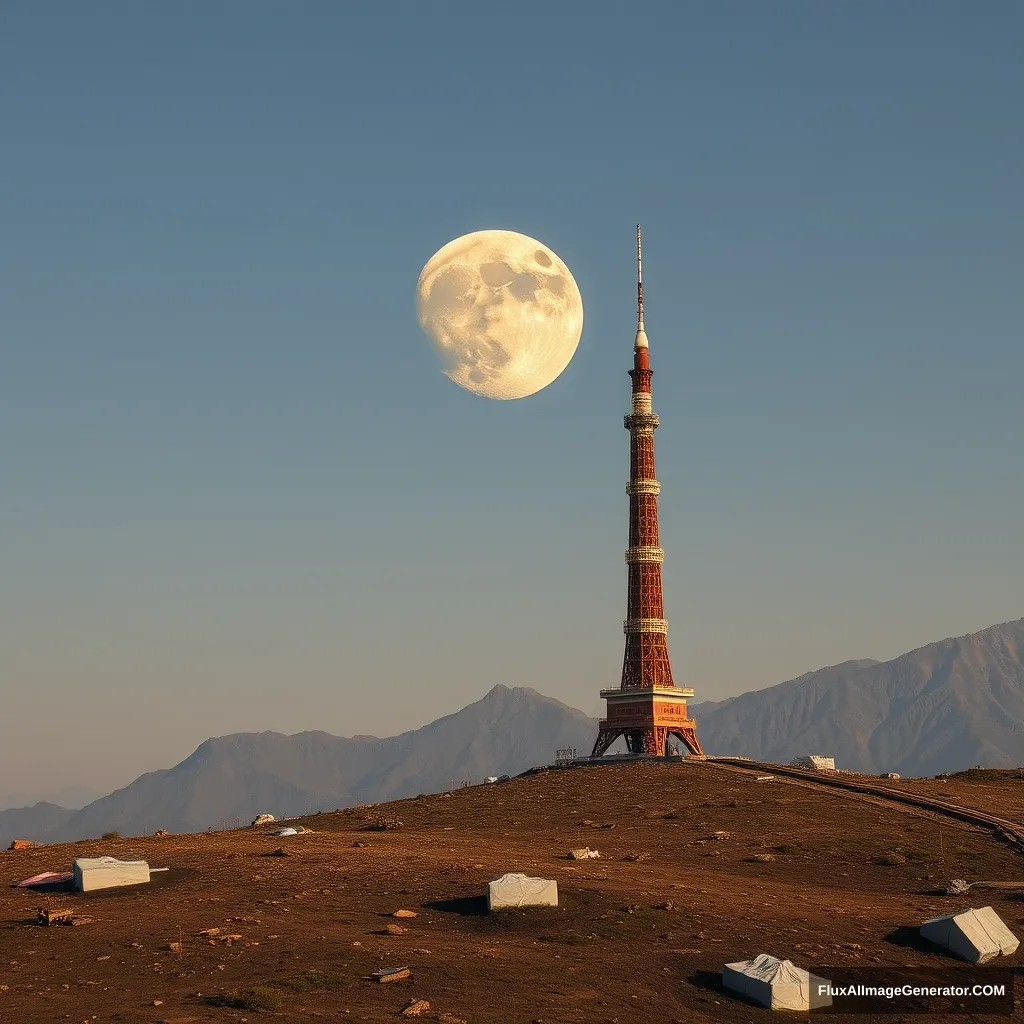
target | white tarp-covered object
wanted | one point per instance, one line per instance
(777, 984)
(973, 935)
(522, 891)
(106, 872)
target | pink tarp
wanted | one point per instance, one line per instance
(46, 878)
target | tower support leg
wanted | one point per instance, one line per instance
(689, 737)
(605, 738)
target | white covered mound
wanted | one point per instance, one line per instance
(973, 935)
(522, 891)
(777, 984)
(106, 872)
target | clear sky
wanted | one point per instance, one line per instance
(237, 493)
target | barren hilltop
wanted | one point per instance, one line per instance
(700, 865)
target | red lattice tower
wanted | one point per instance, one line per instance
(648, 707)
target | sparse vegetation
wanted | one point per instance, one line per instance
(259, 997)
(317, 981)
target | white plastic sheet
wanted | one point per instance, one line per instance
(777, 984)
(973, 935)
(515, 890)
(93, 873)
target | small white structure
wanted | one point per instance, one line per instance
(777, 984)
(93, 873)
(973, 935)
(521, 891)
(816, 761)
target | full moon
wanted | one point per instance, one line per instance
(503, 311)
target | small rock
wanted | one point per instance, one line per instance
(763, 858)
(957, 887)
(174, 947)
(158, 1002)
(395, 929)
(404, 913)
(207, 932)
(415, 1008)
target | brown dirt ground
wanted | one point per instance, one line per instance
(311, 922)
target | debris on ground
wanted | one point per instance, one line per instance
(50, 917)
(63, 916)
(208, 933)
(415, 1008)
(263, 819)
(765, 778)
(720, 835)
(762, 858)
(957, 887)
(637, 857)
(584, 853)
(386, 974)
(21, 844)
(160, 832)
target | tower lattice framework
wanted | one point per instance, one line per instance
(647, 708)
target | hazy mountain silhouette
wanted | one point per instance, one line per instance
(246, 774)
(944, 707)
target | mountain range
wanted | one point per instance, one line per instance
(944, 707)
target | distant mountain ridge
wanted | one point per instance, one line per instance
(944, 707)
(245, 774)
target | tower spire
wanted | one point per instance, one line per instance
(641, 334)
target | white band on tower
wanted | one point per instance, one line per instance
(643, 487)
(645, 626)
(645, 554)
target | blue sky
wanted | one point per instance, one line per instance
(237, 492)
